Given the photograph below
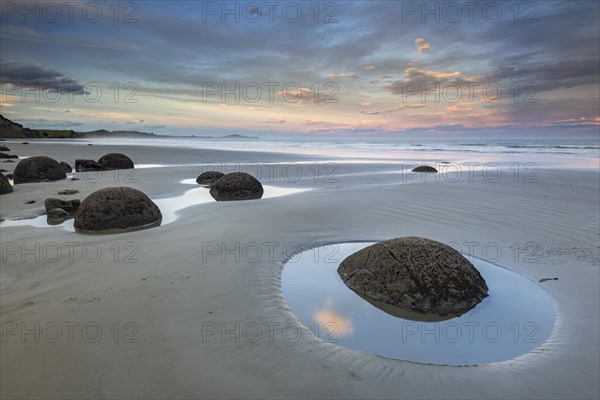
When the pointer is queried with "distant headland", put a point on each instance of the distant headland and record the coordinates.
(10, 129)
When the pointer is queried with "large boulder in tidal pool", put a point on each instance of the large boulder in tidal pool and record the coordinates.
(5, 186)
(37, 169)
(116, 209)
(115, 161)
(236, 186)
(209, 177)
(416, 275)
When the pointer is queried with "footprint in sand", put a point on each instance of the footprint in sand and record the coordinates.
(351, 376)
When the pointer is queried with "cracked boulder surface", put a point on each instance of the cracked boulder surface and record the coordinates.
(116, 209)
(415, 274)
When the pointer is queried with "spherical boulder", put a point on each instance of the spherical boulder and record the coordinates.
(236, 186)
(38, 169)
(425, 168)
(66, 167)
(209, 177)
(415, 274)
(5, 186)
(115, 161)
(116, 209)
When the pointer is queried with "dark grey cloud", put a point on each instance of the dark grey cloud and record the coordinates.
(540, 77)
(549, 76)
(38, 77)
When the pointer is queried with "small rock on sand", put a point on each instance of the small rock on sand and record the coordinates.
(425, 168)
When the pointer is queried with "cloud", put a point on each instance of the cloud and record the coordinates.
(342, 76)
(300, 95)
(418, 80)
(549, 76)
(459, 108)
(577, 121)
(391, 110)
(414, 74)
(368, 67)
(37, 77)
(422, 47)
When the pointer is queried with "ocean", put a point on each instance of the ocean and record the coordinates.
(546, 153)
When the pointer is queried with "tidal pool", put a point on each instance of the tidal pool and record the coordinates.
(169, 206)
(517, 316)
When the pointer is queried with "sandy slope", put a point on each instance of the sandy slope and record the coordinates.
(177, 293)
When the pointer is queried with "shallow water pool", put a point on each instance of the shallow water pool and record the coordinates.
(169, 206)
(517, 316)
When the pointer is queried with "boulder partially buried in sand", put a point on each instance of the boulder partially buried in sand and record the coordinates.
(66, 167)
(57, 214)
(5, 186)
(425, 168)
(115, 161)
(415, 274)
(4, 155)
(116, 209)
(83, 165)
(209, 177)
(69, 206)
(58, 210)
(236, 186)
(37, 169)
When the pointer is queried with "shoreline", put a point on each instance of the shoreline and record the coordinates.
(461, 156)
(178, 289)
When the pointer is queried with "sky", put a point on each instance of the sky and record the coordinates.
(391, 69)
